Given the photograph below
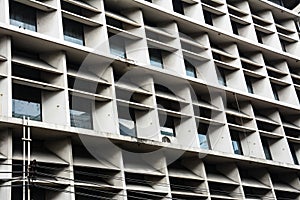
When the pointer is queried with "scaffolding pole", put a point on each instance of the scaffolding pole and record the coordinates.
(24, 159)
(26, 142)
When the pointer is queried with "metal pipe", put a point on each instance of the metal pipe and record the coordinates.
(28, 153)
(24, 159)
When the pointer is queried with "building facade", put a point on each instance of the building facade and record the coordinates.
(149, 99)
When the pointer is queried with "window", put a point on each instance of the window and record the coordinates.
(73, 31)
(266, 148)
(113, 22)
(26, 101)
(167, 127)
(260, 36)
(236, 143)
(293, 152)
(235, 27)
(22, 16)
(279, 2)
(81, 112)
(298, 95)
(275, 92)
(221, 76)
(283, 45)
(117, 45)
(297, 25)
(156, 57)
(190, 69)
(202, 135)
(178, 6)
(71, 8)
(208, 17)
(249, 84)
(127, 123)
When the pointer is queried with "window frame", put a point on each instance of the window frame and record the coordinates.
(275, 92)
(192, 72)
(169, 123)
(34, 100)
(157, 54)
(117, 45)
(266, 148)
(202, 133)
(236, 142)
(178, 6)
(249, 84)
(130, 118)
(84, 107)
(25, 13)
(221, 74)
(76, 37)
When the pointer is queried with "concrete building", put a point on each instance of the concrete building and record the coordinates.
(141, 99)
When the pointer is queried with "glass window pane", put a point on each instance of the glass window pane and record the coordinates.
(26, 102)
(293, 152)
(167, 131)
(266, 148)
(190, 69)
(73, 32)
(236, 143)
(249, 85)
(117, 46)
(275, 92)
(127, 127)
(221, 77)
(127, 124)
(167, 125)
(28, 109)
(81, 112)
(81, 119)
(22, 16)
(203, 141)
(156, 58)
(236, 147)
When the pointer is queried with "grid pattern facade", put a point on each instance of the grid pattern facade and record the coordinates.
(141, 99)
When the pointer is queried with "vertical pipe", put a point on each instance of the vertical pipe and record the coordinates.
(24, 159)
(28, 153)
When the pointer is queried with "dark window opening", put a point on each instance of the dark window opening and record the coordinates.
(113, 22)
(73, 31)
(25, 72)
(27, 102)
(221, 76)
(202, 135)
(275, 92)
(178, 6)
(167, 125)
(71, 8)
(236, 142)
(156, 57)
(283, 45)
(22, 16)
(235, 27)
(127, 121)
(294, 155)
(208, 17)
(249, 84)
(259, 36)
(81, 112)
(266, 148)
(190, 69)
(117, 45)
